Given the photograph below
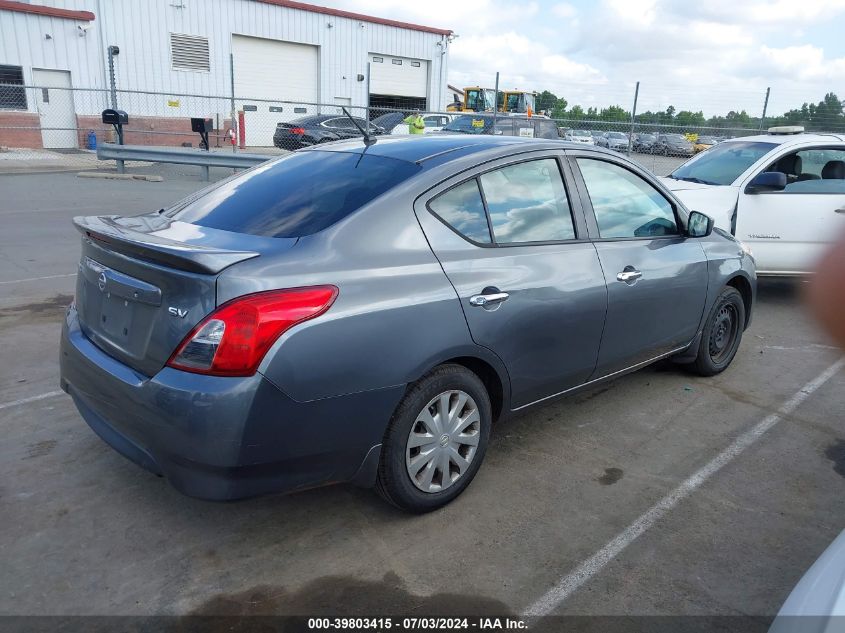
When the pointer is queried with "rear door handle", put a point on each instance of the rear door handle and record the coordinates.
(840, 210)
(488, 299)
(629, 275)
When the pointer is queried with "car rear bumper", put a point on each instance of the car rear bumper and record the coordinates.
(223, 438)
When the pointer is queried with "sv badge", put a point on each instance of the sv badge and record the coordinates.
(177, 312)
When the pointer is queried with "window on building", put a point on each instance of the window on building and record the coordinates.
(378, 60)
(189, 52)
(12, 97)
(397, 62)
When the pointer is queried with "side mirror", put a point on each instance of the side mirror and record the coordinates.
(699, 225)
(767, 181)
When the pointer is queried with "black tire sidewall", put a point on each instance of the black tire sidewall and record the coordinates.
(704, 363)
(394, 481)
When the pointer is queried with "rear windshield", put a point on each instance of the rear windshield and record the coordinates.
(297, 195)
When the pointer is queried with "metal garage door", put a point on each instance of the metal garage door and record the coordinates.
(398, 82)
(273, 71)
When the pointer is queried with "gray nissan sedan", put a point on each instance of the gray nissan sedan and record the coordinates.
(365, 312)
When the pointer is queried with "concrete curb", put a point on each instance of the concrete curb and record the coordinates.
(110, 176)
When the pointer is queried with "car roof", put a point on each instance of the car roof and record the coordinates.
(788, 139)
(423, 148)
(317, 118)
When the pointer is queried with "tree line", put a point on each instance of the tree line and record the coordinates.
(827, 115)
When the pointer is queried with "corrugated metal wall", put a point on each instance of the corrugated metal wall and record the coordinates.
(141, 29)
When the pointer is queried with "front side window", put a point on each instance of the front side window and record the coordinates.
(527, 203)
(462, 208)
(817, 170)
(625, 205)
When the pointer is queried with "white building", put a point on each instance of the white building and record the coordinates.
(282, 58)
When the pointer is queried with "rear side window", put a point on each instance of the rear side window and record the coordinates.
(462, 208)
(298, 195)
(626, 205)
(527, 203)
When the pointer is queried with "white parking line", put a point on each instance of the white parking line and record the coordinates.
(43, 396)
(20, 281)
(567, 585)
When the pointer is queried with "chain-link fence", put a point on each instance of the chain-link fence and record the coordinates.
(54, 126)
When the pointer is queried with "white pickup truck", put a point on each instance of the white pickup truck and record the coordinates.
(781, 193)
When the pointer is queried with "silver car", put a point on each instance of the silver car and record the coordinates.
(364, 312)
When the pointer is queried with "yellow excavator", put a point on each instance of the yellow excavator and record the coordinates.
(517, 101)
(478, 99)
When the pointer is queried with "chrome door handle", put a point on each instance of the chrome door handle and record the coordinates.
(629, 275)
(486, 300)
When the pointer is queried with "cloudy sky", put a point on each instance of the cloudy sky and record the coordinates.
(711, 55)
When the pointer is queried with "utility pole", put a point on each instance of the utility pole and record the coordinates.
(765, 106)
(495, 102)
(232, 86)
(113, 51)
(633, 116)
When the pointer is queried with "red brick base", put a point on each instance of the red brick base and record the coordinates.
(147, 131)
(140, 131)
(12, 137)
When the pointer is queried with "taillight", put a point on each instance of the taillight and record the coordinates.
(297, 130)
(233, 339)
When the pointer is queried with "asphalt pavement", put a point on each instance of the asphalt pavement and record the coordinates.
(658, 494)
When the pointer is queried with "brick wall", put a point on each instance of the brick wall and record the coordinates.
(140, 131)
(20, 138)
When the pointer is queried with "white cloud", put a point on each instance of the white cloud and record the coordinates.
(712, 55)
(564, 10)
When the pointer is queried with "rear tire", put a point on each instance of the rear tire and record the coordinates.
(436, 440)
(722, 334)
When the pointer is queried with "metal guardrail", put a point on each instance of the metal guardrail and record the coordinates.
(177, 155)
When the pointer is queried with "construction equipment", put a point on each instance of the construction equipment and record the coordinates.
(477, 99)
(517, 101)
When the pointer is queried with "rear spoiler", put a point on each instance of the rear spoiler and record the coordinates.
(135, 236)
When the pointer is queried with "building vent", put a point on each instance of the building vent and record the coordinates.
(189, 52)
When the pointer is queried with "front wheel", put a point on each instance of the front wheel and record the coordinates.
(436, 440)
(722, 333)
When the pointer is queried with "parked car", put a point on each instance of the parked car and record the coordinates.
(434, 122)
(644, 143)
(504, 125)
(579, 136)
(673, 145)
(614, 140)
(320, 128)
(702, 143)
(389, 121)
(782, 193)
(817, 603)
(364, 313)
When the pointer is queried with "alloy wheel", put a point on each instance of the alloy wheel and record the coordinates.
(443, 441)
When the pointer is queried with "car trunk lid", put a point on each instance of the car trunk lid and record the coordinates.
(144, 282)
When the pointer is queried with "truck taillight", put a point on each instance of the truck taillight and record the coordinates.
(232, 340)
